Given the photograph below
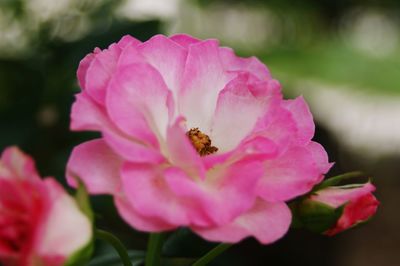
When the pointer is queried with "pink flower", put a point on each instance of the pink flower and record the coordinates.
(193, 135)
(360, 204)
(40, 224)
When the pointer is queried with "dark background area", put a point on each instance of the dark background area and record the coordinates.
(350, 47)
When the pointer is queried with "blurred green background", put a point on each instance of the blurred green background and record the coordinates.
(343, 56)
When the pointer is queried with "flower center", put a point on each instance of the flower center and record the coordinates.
(201, 142)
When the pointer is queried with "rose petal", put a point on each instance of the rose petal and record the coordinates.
(100, 71)
(168, 58)
(96, 165)
(16, 164)
(184, 40)
(303, 118)
(232, 62)
(225, 192)
(181, 151)
(147, 191)
(83, 67)
(204, 77)
(86, 114)
(131, 149)
(358, 210)
(137, 221)
(294, 173)
(139, 102)
(267, 222)
(337, 196)
(76, 228)
(128, 40)
(229, 127)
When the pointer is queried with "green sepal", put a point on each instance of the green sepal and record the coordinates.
(296, 221)
(83, 200)
(315, 216)
(335, 180)
(82, 256)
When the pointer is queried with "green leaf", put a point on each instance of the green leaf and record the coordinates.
(315, 216)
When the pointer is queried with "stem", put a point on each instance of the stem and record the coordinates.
(117, 244)
(154, 247)
(212, 254)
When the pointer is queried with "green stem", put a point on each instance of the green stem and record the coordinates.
(154, 247)
(212, 254)
(117, 244)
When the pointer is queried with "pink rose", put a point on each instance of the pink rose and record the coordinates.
(40, 224)
(193, 135)
(360, 204)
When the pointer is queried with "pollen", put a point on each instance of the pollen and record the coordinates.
(201, 142)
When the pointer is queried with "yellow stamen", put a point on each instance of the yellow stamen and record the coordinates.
(201, 142)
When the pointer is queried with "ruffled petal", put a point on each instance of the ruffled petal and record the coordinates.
(83, 67)
(167, 57)
(88, 115)
(337, 196)
(95, 70)
(16, 164)
(100, 71)
(184, 40)
(181, 152)
(294, 173)
(96, 165)
(303, 119)
(230, 126)
(233, 62)
(132, 149)
(76, 232)
(225, 192)
(139, 102)
(320, 157)
(277, 124)
(137, 221)
(267, 222)
(204, 77)
(258, 148)
(146, 190)
(128, 40)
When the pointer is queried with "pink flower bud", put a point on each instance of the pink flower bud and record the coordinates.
(360, 204)
(40, 224)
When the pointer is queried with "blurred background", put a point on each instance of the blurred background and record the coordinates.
(343, 56)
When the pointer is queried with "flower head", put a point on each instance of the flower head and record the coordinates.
(193, 135)
(359, 205)
(40, 224)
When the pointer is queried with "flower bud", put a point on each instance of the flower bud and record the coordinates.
(40, 224)
(334, 209)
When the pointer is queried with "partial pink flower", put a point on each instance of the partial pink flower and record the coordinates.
(360, 204)
(40, 224)
(193, 135)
